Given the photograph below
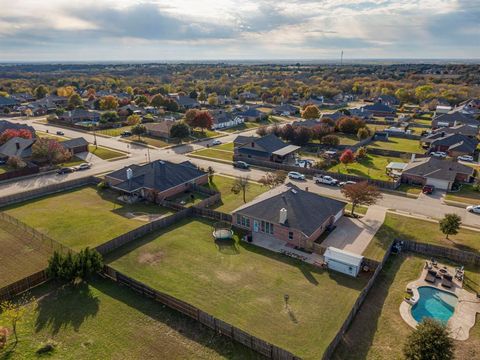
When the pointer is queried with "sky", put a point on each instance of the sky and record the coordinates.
(156, 30)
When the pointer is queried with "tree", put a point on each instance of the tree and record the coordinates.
(141, 100)
(109, 116)
(273, 179)
(302, 136)
(16, 162)
(50, 150)
(311, 112)
(288, 132)
(193, 95)
(157, 101)
(190, 116)
(327, 121)
(71, 267)
(133, 120)
(331, 140)
(180, 130)
(203, 120)
(139, 130)
(108, 103)
(423, 92)
(450, 224)
(429, 341)
(241, 184)
(363, 133)
(350, 125)
(212, 99)
(262, 131)
(210, 172)
(361, 152)
(40, 92)
(347, 157)
(66, 91)
(74, 101)
(202, 97)
(11, 133)
(14, 311)
(361, 193)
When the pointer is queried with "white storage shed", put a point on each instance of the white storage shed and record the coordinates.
(343, 261)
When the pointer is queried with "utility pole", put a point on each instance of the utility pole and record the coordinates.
(341, 58)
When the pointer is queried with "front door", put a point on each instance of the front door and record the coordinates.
(255, 225)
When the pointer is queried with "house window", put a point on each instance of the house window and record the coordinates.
(271, 229)
(262, 226)
(267, 228)
(290, 235)
(247, 222)
(238, 219)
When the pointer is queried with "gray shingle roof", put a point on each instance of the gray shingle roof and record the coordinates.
(436, 168)
(306, 211)
(22, 150)
(73, 143)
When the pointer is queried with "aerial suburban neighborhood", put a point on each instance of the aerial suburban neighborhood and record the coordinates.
(325, 207)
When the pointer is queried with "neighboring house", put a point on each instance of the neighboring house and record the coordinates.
(185, 102)
(131, 109)
(380, 109)
(224, 120)
(78, 115)
(453, 144)
(157, 180)
(454, 119)
(285, 110)
(75, 146)
(290, 215)
(314, 100)
(242, 140)
(439, 173)
(7, 125)
(23, 97)
(467, 130)
(469, 107)
(389, 100)
(224, 100)
(247, 95)
(267, 148)
(17, 146)
(8, 103)
(310, 123)
(442, 109)
(361, 113)
(251, 114)
(159, 129)
(337, 115)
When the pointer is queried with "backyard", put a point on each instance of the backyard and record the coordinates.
(399, 144)
(372, 166)
(244, 285)
(378, 331)
(21, 254)
(230, 201)
(81, 217)
(105, 321)
(406, 228)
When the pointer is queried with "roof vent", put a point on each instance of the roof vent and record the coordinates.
(129, 173)
(294, 191)
(283, 216)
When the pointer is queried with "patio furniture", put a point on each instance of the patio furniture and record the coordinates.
(428, 265)
(447, 281)
(431, 276)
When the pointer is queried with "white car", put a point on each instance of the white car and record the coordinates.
(439, 154)
(216, 142)
(466, 158)
(84, 166)
(296, 175)
(474, 209)
(348, 182)
(325, 179)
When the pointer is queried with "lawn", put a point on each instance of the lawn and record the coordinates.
(74, 161)
(379, 332)
(45, 135)
(114, 132)
(424, 121)
(409, 189)
(215, 154)
(399, 144)
(244, 285)
(185, 198)
(465, 195)
(230, 200)
(81, 217)
(4, 169)
(245, 126)
(105, 321)
(21, 254)
(104, 153)
(406, 228)
(372, 166)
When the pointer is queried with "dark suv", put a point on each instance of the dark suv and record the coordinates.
(428, 189)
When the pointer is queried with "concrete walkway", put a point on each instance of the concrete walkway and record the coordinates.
(354, 235)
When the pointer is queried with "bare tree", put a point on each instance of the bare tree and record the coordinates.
(273, 179)
(241, 184)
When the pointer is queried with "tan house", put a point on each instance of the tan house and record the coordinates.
(160, 129)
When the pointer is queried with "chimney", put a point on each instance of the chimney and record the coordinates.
(129, 174)
(283, 216)
(412, 158)
(17, 144)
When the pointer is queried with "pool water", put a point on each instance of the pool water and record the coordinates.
(434, 303)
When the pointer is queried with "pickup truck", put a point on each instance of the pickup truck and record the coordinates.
(325, 179)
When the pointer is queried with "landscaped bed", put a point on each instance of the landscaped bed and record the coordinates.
(105, 321)
(378, 331)
(406, 228)
(372, 166)
(81, 217)
(21, 255)
(399, 144)
(230, 201)
(244, 285)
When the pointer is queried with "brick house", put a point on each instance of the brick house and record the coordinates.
(290, 215)
(75, 146)
(266, 148)
(380, 109)
(454, 119)
(439, 173)
(157, 180)
(453, 144)
(160, 129)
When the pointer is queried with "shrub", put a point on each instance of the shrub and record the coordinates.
(331, 140)
(47, 347)
(102, 185)
(70, 267)
(16, 162)
(361, 152)
(363, 133)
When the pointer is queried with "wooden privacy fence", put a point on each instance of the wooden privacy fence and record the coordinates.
(22, 285)
(47, 190)
(393, 153)
(269, 350)
(212, 214)
(211, 200)
(463, 257)
(28, 170)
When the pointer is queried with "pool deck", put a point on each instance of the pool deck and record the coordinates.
(463, 318)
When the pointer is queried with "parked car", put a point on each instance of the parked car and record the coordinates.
(349, 182)
(65, 170)
(126, 134)
(84, 166)
(296, 175)
(439, 154)
(468, 158)
(216, 142)
(474, 209)
(304, 163)
(428, 189)
(325, 179)
(61, 133)
(241, 165)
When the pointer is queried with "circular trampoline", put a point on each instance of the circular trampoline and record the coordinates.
(222, 231)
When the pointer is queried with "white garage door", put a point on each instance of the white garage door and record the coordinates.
(439, 184)
(338, 216)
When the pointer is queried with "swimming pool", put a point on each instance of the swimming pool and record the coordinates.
(434, 303)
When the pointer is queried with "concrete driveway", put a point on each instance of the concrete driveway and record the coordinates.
(354, 235)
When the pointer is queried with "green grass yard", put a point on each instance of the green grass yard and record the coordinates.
(105, 153)
(372, 166)
(245, 126)
(230, 200)
(105, 321)
(244, 285)
(114, 132)
(465, 195)
(399, 144)
(4, 169)
(81, 217)
(215, 154)
(402, 227)
(378, 331)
